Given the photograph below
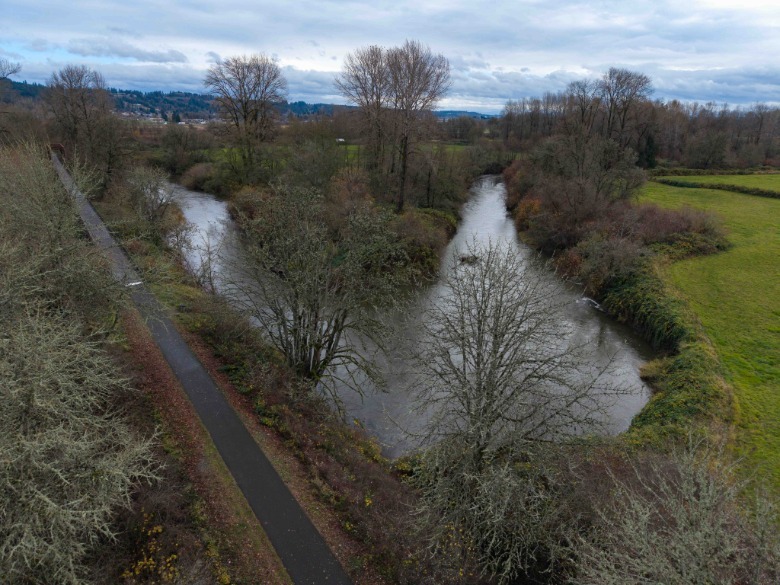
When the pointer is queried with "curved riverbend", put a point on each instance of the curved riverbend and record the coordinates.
(386, 415)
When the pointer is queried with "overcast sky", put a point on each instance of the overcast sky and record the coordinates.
(705, 50)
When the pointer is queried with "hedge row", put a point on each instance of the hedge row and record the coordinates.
(684, 172)
(720, 187)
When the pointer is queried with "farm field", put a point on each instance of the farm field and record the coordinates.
(768, 182)
(736, 295)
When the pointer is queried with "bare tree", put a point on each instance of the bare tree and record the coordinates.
(78, 98)
(394, 88)
(621, 91)
(246, 90)
(496, 379)
(151, 195)
(365, 82)
(584, 102)
(8, 68)
(312, 295)
(418, 80)
(81, 104)
(494, 364)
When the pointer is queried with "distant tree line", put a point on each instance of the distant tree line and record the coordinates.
(672, 133)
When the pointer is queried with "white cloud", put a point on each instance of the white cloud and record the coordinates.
(498, 50)
(107, 47)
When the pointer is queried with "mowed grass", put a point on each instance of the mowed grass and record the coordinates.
(736, 295)
(769, 182)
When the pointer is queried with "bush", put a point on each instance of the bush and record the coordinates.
(198, 177)
(423, 234)
(641, 299)
(679, 520)
(721, 187)
(602, 260)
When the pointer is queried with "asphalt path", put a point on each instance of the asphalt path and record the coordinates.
(302, 550)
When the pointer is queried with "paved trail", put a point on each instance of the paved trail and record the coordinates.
(305, 556)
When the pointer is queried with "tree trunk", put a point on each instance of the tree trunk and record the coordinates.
(402, 181)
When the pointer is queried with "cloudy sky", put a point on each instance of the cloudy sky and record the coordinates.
(705, 50)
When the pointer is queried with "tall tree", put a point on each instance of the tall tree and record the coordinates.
(81, 105)
(8, 68)
(394, 88)
(621, 90)
(497, 378)
(246, 89)
(313, 295)
(78, 98)
(418, 80)
(365, 82)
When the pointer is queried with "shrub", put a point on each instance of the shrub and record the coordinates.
(604, 259)
(678, 520)
(199, 176)
(70, 460)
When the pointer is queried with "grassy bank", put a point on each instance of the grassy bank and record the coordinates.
(736, 297)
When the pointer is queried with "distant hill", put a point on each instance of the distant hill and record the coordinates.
(27, 90)
(198, 105)
(450, 114)
(158, 103)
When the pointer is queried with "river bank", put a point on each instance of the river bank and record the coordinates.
(387, 415)
(619, 249)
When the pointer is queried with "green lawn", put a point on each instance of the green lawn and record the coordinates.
(736, 294)
(760, 181)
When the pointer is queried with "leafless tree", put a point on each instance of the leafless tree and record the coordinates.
(78, 98)
(81, 104)
(314, 296)
(394, 88)
(621, 91)
(494, 363)
(151, 195)
(8, 68)
(418, 80)
(496, 379)
(584, 101)
(365, 82)
(246, 89)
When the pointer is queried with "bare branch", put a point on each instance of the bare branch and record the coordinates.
(8, 68)
(246, 89)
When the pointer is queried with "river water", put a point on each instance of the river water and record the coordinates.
(387, 415)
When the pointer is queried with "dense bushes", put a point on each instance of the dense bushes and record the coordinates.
(678, 520)
(71, 457)
(589, 223)
(610, 245)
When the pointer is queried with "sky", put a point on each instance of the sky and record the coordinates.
(724, 51)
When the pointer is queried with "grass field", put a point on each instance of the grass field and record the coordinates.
(760, 181)
(736, 295)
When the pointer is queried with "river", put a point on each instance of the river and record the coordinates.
(387, 415)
